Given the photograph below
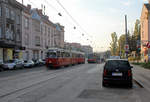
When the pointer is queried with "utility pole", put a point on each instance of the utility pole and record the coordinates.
(126, 33)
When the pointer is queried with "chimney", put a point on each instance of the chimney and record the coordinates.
(29, 6)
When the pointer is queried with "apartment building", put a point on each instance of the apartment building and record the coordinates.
(145, 31)
(10, 29)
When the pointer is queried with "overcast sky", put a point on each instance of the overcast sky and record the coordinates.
(98, 18)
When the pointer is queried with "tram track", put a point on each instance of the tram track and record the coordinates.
(46, 78)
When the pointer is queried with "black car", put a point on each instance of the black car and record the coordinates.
(117, 71)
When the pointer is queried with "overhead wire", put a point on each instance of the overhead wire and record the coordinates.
(74, 27)
(60, 14)
(72, 17)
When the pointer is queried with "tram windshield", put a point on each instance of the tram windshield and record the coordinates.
(51, 55)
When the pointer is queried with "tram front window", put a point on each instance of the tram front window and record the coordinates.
(51, 55)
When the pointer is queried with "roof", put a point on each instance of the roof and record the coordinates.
(147, 6)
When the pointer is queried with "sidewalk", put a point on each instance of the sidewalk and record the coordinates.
(142, 75)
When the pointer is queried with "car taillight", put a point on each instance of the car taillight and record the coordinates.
(129, 73)
(105, 72)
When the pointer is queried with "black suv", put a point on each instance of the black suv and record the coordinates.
(117, 72)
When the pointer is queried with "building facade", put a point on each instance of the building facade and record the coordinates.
(145, 32)
(10, 29)
(87, 49)
(26, 33)
(39, 33)
(59, 36)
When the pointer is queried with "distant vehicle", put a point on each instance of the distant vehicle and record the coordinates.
(92, 58)
(114, 57)
(117, 71)
(44, 61)
(39, 62)
(36, 62)
(13, 64)
(1, 64)
(28, 63)
(57, 57)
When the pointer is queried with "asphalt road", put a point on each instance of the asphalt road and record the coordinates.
(80, 83)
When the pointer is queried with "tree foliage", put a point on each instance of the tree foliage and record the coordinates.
(137, 30)
(114, 44)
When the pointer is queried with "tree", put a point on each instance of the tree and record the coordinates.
(114, 44)
(121, 43)
(137, 29)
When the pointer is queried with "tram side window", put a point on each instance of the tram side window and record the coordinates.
(58, 54)
(63, 54)
(51, 55)
(67, 55)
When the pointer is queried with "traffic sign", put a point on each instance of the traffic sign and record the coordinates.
(148, 45)
(126, 47)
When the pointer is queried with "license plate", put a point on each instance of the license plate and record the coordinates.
(116, 74)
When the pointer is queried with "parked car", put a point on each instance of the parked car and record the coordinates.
(36, 62)
(28, 63)
(19, 63)
(1, 64)
(41, 62)
(44, 61)
(13, 64)
(117, 71)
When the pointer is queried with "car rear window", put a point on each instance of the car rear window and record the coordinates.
(117, 64)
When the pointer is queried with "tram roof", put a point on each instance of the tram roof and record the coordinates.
(65, 50)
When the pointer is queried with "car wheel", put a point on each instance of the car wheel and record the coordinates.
(104, 84)
(130, 85)
(1, 69)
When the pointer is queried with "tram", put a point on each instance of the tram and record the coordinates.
(57, 57)
(92, 58)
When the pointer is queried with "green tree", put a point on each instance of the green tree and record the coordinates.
(121, 44)
(114, 44)
(137, 29)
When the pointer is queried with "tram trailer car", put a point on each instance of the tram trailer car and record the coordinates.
(59, 57)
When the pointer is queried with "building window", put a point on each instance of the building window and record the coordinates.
(142, 34)
(18, 35)
(41, 28)
(7, 13)
(12, 15)
(9, 31)
(0, 32)
(26, 39)
(0, 11)
(37, 41)
(45, 30)
(18, 19)
(26, 23)
(37, 26)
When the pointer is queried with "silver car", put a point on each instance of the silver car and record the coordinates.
(13, 64)
(28, 63)
(10, 64)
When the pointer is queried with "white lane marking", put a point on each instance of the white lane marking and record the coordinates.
(93, 70)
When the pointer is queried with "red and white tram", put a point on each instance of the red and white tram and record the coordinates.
(57, 57)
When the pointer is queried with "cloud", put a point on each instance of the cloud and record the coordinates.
(127, 3)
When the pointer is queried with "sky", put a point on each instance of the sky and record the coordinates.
(96, 19)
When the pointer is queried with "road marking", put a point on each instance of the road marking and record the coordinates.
(47, 77)
(138, 83)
